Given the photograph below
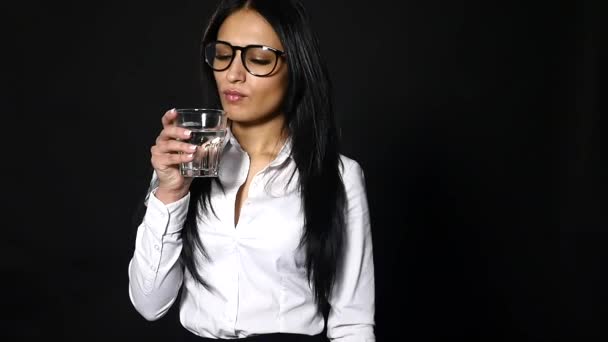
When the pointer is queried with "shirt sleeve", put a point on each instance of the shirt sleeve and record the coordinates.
(351, 315)
(155, 273)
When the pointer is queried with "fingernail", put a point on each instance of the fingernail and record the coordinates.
(172, 110)
(189, 155)
(187, 133)
(193, 147)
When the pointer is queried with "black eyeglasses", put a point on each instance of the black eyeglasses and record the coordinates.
(259, 60)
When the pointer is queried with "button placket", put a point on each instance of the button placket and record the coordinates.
(232, 305)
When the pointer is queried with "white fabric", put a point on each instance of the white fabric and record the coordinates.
(257, 271)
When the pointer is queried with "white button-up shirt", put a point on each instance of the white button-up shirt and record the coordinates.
(256, 268)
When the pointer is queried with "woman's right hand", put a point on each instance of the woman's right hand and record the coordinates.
(166, 158)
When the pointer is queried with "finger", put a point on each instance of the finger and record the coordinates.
(174, 146)
(169, 117)
(161, 160)
(174, 159)
(173, 132)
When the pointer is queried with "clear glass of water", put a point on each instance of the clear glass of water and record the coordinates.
(208, 128)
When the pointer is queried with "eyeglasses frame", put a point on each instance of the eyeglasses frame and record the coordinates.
(243, 50)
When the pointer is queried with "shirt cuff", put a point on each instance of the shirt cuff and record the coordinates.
(165, 219)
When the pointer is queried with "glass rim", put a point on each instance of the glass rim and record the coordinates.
(200, 110)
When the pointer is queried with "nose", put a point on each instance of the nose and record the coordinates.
(236, 72)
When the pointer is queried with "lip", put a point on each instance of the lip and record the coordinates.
(233, 95)
(234, 92)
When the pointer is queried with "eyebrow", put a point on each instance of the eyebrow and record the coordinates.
(279, 47)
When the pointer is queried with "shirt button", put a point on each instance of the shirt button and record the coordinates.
(152, 268)
(157, 247)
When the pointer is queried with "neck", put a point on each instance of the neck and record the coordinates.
(262, 138)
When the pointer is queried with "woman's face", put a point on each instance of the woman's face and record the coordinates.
(247, 98)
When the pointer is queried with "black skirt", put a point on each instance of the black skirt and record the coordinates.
(276, 337)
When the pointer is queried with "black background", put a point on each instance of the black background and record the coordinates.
(477, 124)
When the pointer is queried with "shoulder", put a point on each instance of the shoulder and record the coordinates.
(348, 164)
(355, 187)
(351, 171)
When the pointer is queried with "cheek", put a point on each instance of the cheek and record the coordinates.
(218, 79)
(271, 92)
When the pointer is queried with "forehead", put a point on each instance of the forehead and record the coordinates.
(246, 27)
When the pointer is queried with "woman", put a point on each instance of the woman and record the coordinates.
(278, 247)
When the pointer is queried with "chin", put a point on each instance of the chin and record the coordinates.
(238, 116)
(248, 118)
(235, 114)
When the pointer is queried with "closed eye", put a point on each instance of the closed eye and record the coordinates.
(259, 61)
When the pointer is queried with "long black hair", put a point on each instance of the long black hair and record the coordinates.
(309, 117)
